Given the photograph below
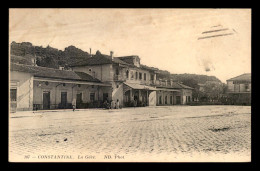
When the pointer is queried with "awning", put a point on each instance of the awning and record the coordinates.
(165, 89)
(139, 86)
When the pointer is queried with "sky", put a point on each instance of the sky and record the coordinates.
(169, 39)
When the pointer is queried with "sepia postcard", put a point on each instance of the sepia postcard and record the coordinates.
(129, 85)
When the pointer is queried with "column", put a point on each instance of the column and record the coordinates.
(139, 94)
(154, 77)
(147, 98)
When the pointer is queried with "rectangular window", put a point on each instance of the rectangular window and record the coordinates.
(165, 99)
(247, 87)
(92, 96)
(127, 74)
(144, 76)
(140, 75)
(151, 76)
(132, 75)
(13, 95)
(79, 98)
(117, 71)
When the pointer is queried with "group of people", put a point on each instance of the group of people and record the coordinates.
(107, 105)
(112, 104)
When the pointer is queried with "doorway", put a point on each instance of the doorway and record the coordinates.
(63, 100)
(105, 97)
(136, 96)
(79, 100)
(178, 99)
(46, 100)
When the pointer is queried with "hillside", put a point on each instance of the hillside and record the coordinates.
(49, 56)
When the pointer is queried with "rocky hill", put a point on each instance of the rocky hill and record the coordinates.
(49, 56)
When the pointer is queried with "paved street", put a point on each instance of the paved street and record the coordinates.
(169, 133)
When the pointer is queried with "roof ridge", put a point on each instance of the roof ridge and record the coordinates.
(239, 76)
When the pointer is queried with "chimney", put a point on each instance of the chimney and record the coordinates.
(34, 60)
(111, 54)
(171, 82)
(90, 52)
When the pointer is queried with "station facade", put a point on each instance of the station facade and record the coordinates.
(91, 82)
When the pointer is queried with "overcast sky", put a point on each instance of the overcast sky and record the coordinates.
(164, 38)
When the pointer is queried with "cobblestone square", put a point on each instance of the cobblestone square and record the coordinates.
(147, 134)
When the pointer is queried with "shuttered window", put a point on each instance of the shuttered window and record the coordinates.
(13, 95)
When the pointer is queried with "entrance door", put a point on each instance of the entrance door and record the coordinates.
(127, 96)
(63, 100)
(136, 96)
(178, 99)
(105, 97)
(79, 100)
(46, 100)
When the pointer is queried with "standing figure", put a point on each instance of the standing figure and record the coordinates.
(117, 104)
(74, 104)
(112, 105)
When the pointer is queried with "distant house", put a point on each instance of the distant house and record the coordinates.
(239, 89)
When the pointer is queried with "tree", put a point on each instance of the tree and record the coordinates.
(213, 90)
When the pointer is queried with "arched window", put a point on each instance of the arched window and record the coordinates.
(127, 74)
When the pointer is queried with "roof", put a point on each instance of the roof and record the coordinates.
(165, 89)
(119, 61)
(99, 59)
(148, 68)
(53, 73)
(139, 86)
(184, 86)
(127, 59)
(176, 85)
(94, 60)
(243, 77)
